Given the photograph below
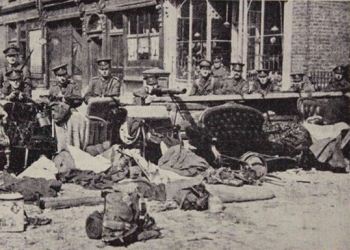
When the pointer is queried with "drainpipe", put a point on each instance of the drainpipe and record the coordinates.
(190, 42)
(245, 37)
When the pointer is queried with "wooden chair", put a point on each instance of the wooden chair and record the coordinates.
(331, 109)
(102, 120)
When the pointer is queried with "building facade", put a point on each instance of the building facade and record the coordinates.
(287, 36)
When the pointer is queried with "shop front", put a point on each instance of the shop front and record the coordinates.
(234, 30)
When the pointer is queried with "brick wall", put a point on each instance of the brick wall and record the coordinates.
(320, 34)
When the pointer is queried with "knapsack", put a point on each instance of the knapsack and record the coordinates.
(121, 216)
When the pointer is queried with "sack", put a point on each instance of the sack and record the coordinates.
(64, 161)
(193, 198)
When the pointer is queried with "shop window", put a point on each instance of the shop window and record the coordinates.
(224, 16)
(265, 35)
(191, 42)
(143, 35)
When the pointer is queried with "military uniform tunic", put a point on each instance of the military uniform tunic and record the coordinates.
(103, 87)
(202, 86)
(71, 89)
(257, 87)
(335, 85)
(232, 86)
(220, 72)
(7, 90)
(25, 74)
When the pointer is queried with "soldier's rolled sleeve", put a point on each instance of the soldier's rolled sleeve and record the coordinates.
(193, 89)
(89, 93)
(117, 87)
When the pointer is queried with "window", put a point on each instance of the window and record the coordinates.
(36, 58)
(143, 35)
(224, 16)
(116, 21)
(265, 35)
(191, 41)
(12, 33)
(94, 24)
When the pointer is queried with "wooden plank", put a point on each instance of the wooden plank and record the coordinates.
(270, 96)
(60, 203)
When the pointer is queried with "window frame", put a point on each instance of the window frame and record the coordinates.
(148, 12)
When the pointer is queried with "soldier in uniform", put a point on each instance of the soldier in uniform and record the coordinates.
(262, 84)
(300, 83)
(105, 84)
(13, 88)
(11, 54)
(234, 84)
(338, 81)
(205, 84)
(218, 69)
(142, 96)
(65, 86)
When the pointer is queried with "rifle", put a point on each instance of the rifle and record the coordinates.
(167, 91)
(26, 60)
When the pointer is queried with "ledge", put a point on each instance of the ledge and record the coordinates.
(270, 96)
(17, 7)
(131, 78)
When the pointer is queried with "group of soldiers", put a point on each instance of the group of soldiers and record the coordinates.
(100, 86)
(215, 79)
(16, 84)
(15, 79)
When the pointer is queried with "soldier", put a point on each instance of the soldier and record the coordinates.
(65, 87)
(13, 88)
(205, 84)
(338, 81)
(299, 83)
(234, 84)
(142, 96)
(11, 54)
(105, 84)
(262, 84)
(218, 69)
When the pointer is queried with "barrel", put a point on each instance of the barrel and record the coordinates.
(11, 212)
